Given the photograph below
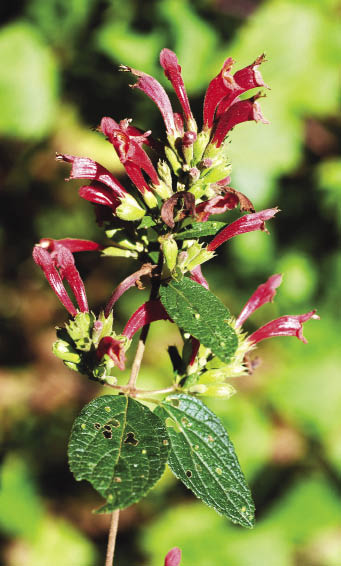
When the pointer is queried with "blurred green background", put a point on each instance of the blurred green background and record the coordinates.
(58, 77)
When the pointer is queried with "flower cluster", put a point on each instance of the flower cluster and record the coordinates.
(176, 184)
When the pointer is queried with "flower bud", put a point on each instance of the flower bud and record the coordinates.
(111, 251)
(173, 160)
(221, 390)
(129, 209)
(170, 251)
(199, 146)
(65, 352)
(164, 173)
(187, 146)
(150, 199)
(216, 173)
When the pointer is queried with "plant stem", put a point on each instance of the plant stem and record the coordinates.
(143, 392)
(109, 561)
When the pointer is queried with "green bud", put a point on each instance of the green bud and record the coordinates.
(216, 173)
(111, 251)
(164, 173)
(129, 245)
(170, 250)
(199, 146)
(163, 190)
(198, 190)
(150, 199)
(112, 232)
(65, 352)
(212, 151)
(73, 366)
(129, 209)
(199, 259)
(173, 160)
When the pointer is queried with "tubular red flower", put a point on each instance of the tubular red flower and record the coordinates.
(114, 349)
(85, 168)
(129, 150)
(97, 194)
(152, 88)
(172, 70)
(247, 223)
(242, 111)
(126, 284)
(220, 203)
(145, 314)
(225, 88)
(263, 294)
(72, 244)
(42, 258)
(173, 557)
(62, 258)
(283, 326)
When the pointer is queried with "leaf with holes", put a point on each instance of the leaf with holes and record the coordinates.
(197, 311)
(120, 447)
(200, 229)
(202, 456)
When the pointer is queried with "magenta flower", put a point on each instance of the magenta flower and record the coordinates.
(150, 311)
(173, 557)
(290, 325)
(152, 88)
(172, 70)
(58, 264)
(263, 294)
(114, 349)
(225, 88)
(241, 111)
(247, 223)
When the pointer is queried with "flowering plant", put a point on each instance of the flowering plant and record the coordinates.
(163, 222)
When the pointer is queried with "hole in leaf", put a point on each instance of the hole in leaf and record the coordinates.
(130, 439)
(107, 434)
(97, 426)
(107, 427)
(189, 473)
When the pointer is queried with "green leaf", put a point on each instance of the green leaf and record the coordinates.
(200, 229)
(197, 311)
(202, 456)
(120, 447)
(146, 222)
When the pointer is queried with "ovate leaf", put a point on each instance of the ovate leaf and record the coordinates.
(197, 311)
(200, 229)
(202, 456)
(120, 447)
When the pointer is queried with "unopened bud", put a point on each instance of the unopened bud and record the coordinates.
(164, 173)
(111, 251)
(170, 251)
(173, 160)
(216, 173)
(65, 352)
(150, 199)
(199, 146)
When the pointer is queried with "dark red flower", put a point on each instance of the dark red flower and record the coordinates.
(247, 223)
(223, 202)
(126, 284)
(145, 314)
(225, 88)
(172, 69)
(114, 349)
(263, 294)
(290, 325)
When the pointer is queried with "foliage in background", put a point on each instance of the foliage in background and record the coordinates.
(56, 83)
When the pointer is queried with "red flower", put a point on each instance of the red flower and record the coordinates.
(241, 111)
(126, 284)
(220, 203)
(247, 223)
(172, 69)
(145, 314)
(290, 325)
(225, 88)
(263, 294)
(50, 255)
(114, 349)
(152, 88)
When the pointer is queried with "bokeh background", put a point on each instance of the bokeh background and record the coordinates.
(58, 77)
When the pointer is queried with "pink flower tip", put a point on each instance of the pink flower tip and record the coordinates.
(173, 557)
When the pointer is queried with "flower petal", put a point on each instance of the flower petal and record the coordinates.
(128, 282)
(42, 258)
(85, 168)
(283, 326)
(114, 349)
(242, 111)
(197, 276)
(173, 557)
(63, 258)
(152, 88)
(145, 314)
(220, 203)
(247, 223)
(98, 194)
(172, 70)
(263, 294)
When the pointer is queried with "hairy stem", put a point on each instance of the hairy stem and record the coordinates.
(109, 561)
(143, 392)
